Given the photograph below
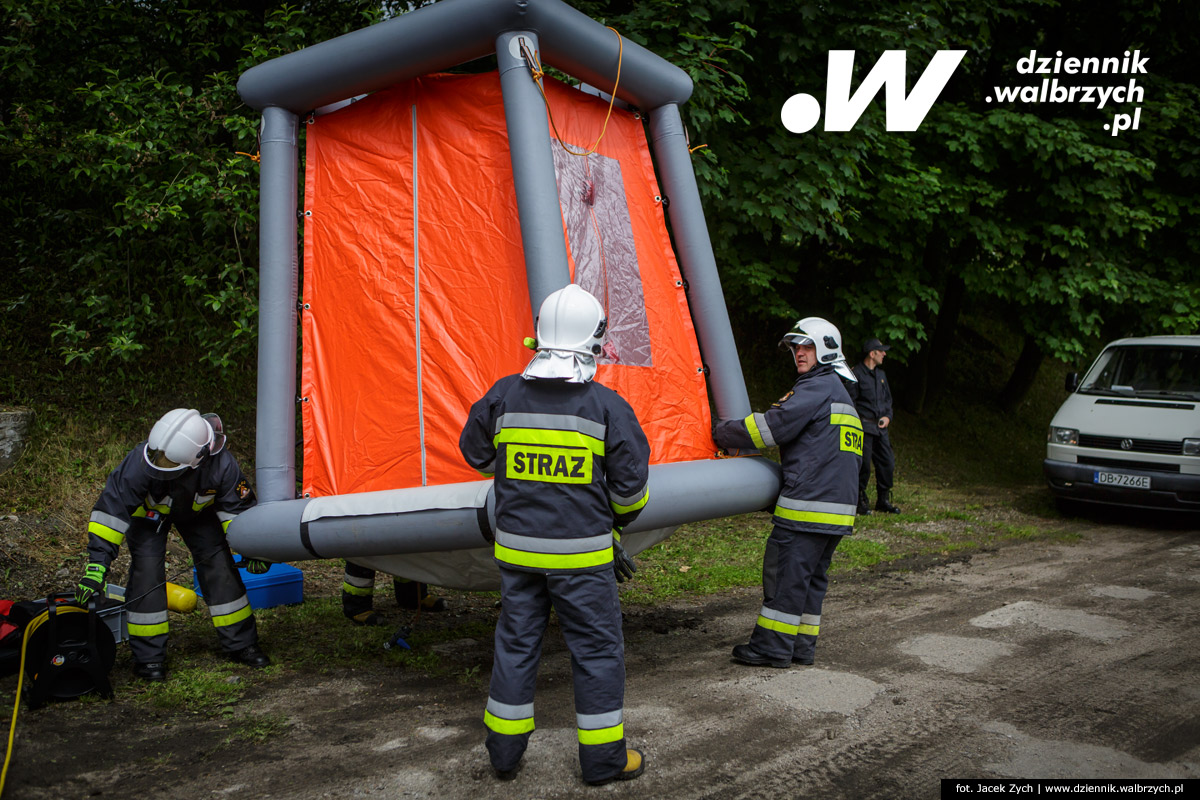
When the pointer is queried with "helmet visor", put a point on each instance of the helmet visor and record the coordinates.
(218, 433)
(158, 459)
(798, 340)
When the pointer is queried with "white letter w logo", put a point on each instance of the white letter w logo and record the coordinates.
(801, 112)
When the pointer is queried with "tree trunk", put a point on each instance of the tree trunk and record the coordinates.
(929, 368)
(1022, 375)
(942, 342)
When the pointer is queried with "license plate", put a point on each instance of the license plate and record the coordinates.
(1120, 479)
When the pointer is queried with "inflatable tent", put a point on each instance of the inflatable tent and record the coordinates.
(439, 211)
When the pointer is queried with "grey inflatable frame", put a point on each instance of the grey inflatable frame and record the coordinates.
(433, 519)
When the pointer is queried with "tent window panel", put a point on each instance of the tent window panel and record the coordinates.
(595, 210)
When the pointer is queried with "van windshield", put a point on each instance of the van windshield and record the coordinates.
(1145, 371)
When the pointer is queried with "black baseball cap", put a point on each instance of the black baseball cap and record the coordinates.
(875, 344)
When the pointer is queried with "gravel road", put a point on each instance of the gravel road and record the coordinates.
(1033, 660)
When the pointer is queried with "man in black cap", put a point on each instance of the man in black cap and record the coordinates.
(873, 399)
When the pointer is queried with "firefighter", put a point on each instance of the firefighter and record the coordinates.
(820, 439)
(571, 464)
(181, 475)
(358, 595)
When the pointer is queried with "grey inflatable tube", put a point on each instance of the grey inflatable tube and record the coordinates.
(452, 32)
(459, 516)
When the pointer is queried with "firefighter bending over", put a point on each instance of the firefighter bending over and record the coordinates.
(182, 475)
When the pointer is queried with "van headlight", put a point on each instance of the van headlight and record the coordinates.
(1191, 447)
(1063, 436)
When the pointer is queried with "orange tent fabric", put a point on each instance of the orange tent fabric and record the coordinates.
(415, 297)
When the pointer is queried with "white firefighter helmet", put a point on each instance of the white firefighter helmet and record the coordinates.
(571, 320)
(823, 335)
(179, 440)
(570, 331)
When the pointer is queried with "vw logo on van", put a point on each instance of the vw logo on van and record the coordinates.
(1127, 444)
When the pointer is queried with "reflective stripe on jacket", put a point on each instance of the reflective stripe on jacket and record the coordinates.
(819, 435)
(570, 463)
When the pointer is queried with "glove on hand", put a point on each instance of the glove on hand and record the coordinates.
(92, 583)
(623, 565)
(257, 566)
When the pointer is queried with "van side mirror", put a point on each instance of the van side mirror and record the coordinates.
(1072, 381)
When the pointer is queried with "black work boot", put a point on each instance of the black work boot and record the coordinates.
(745, 654)
(884, 504)
(864, 505)
(251, 656)
(150, 671)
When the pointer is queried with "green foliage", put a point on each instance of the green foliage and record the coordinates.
(131, 192)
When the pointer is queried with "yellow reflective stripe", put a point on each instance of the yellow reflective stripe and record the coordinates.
(845, 419)
(106, 533)
(199, 506)
(512, 727)
(523, 558)
(361, 591)
(225, 525)
(146, 507)
(548, 437)
(776, 625)
(620, 509)
(602, 735)
(231, 619)
(147, 630)
(811, 630)
(486, 474)
(752, 429)
(846, 520)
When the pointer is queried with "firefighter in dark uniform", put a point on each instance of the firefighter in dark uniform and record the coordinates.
(571, 464)
(358, 595)
(820, 442)
(181, 475)
(873, 398)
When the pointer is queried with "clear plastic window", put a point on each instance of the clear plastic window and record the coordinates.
(596, 213)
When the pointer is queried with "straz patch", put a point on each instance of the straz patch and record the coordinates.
(243, 489)
(525, 462)
(851, 439)
(782, 400)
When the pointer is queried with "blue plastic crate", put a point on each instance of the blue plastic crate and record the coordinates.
(281, 585)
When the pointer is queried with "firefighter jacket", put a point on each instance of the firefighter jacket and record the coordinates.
(570, 463)
(820, 445)
(137, 491)
(872, 397)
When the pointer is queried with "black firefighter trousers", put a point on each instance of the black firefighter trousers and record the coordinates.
(589, 612)
(224, 592)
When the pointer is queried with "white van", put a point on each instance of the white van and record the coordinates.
(1129, 434)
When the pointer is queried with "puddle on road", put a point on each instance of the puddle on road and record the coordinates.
(813, 690)
(1027, 612)
(955, 653)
